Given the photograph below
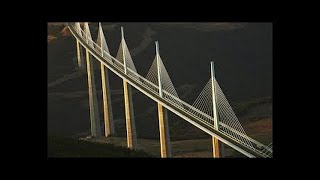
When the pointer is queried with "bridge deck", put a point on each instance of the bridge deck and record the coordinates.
(112, 64)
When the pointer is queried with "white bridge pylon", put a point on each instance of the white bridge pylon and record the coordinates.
(210, 112)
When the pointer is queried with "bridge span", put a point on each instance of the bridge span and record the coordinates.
(210, 112)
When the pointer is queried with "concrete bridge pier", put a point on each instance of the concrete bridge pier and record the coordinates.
(216, 150)
(165, 144)
(93, 102)
(106, 93)
(130, 122)
(107, 108)
(128, 103)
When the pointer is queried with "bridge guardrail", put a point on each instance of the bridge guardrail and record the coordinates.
(182, 105)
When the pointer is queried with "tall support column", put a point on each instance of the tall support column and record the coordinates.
(127, 92)
(130, 122)
(165, 145)
(79, 55)
(215, 144)
(93, 102)
(107, 108)
(215, 141)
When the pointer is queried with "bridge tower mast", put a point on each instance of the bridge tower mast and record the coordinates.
(130, 122)
(93, 102)
(79, 47)
(215, 141)
(107, 108)
(165, 144)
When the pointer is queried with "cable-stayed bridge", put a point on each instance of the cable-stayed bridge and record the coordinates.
(210, 112)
